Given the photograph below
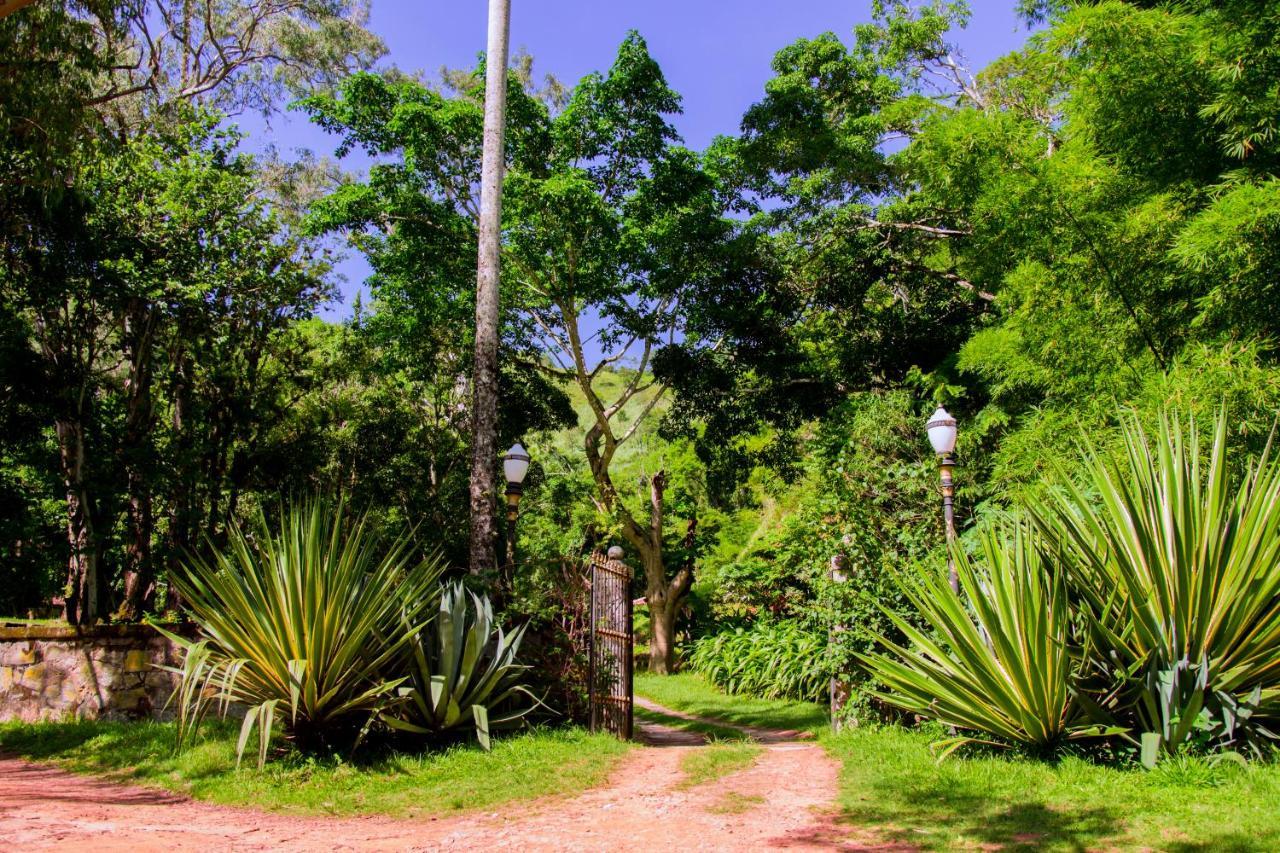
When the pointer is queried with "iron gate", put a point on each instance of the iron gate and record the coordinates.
(610, 684)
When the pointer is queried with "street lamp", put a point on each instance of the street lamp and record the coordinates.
(515, 465)
(942, 435)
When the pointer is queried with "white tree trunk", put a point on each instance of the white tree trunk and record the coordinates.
(484, 414)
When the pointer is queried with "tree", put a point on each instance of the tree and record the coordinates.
(90, 79)
(609, 228)
(484, 369)
(851, 290)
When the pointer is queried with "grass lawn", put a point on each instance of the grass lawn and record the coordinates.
(692, 694)
(712, 731)
(521, 767)
(891, 783)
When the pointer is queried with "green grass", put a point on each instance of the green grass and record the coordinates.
(711, 730)
(520, 767)
(23, 620)
(734, 803)
(716, 761)
(891, 785)
(692, 694)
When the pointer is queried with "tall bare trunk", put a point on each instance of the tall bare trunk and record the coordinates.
(484, 413)
(181, 500)
(139, 576)
(80, 605)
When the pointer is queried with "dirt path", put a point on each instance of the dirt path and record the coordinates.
(786, 799)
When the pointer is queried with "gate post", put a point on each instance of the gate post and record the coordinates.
(839, 688)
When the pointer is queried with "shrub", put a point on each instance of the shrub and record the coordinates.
(1174, 560)
(460, 669)
(1146, 597)
(773, 660)
(1001, 665)
(305, 616)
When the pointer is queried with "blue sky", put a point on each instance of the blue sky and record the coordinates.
(716, 53)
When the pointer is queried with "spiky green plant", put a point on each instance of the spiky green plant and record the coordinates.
(1174, 559)
(460, 669)
(998, 658)
(301, 617)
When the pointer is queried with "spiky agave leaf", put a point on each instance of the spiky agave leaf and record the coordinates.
(305, 615)
(1174, 559)
(461, 669)
(997, 659)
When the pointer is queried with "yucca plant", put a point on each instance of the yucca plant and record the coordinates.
(304, 618)
(998, 657)
(1175, 563)
(460, 670)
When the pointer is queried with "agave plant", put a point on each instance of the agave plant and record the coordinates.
(302, 618)
(460, 670)
(1002, 664)
(1175, 563)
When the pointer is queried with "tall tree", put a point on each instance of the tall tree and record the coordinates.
(610, 227)
(88, 77)
(484, 369)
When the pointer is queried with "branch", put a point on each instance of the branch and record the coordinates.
(872, 223)
(648, 407)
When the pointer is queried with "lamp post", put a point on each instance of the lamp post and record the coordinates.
(515, 465)
(941, 429)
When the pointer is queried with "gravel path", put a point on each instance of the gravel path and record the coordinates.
(786, 799)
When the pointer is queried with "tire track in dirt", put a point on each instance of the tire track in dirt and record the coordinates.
(786, 799)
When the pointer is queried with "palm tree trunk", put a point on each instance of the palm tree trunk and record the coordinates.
(484, 414)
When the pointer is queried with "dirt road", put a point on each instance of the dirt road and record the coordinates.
(785, 799)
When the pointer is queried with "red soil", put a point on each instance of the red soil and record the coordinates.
(786, 799)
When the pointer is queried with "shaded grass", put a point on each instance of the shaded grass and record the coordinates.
(692, 694)
(520, 767)
(712, 731)
(890, 783)
(716, 761)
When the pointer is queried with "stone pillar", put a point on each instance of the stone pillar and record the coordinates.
(839, 688)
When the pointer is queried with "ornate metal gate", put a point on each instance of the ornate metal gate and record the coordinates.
(610, 687)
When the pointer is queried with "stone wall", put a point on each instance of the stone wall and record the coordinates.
(108, 672)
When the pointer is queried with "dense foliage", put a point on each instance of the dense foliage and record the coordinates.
(302, 620)
(773, 660)
(720, 360)
(1147, 606)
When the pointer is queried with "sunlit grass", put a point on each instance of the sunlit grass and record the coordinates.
(692, 694)
(719, 759)
(520, 767)
(891, 784)
(711, 730)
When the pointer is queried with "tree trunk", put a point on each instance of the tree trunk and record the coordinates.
(181, 500)
(665, 596)
(484, 413)
(663, 609)
(139, 576)
(80, 603)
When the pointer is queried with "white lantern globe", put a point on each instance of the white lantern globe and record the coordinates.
(515, 464)
(942, 432)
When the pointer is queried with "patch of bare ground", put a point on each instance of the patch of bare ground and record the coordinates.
(786, 799)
